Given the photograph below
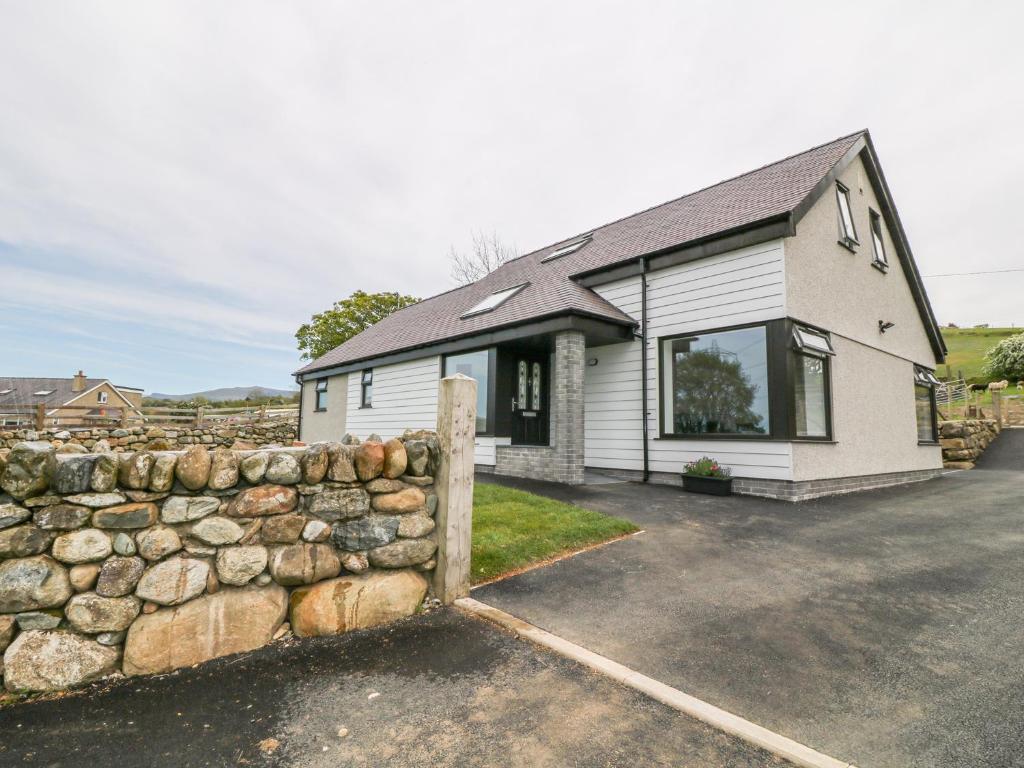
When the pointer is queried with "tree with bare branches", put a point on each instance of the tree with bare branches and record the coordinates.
(488, 253)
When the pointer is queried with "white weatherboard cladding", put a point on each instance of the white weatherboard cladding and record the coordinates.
(404, 397)
(743, 286)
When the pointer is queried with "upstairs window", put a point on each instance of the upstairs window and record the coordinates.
(366, 384)
(101, 397)
(494, 301)
(881, 260)
(847, 232)
(321, 394)
(568, 248)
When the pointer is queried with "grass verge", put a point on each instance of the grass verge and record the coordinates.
(513, 529)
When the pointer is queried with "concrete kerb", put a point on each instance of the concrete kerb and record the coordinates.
(796, 753)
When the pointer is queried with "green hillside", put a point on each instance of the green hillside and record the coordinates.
(967, 348)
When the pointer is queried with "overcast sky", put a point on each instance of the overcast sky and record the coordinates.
(183, 184)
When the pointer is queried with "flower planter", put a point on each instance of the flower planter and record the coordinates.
(715, 486)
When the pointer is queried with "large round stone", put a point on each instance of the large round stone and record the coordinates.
(193, 468)
(264, 500)
(182, 509)
(72, 473)
(223, 470)
(52, 661)
(418, 455)
(240, 565)
(402, 553)
(104, 473)
(340, 504)
(395, 458)
(119, 575)
(12, 514)
(92, 613)
(135, 515)
(303, 564)
(341, 463)
(217, 531)
(33, 583)
(24, 541)
(84, 546)
(254, 466)
(355, 602)
(162, 477)
(62, 517)
(369, 460)
(283, 529)
(314, 463)
(408, 500)
(283, 469)
(30, 467)
(173, 581)
(157, 542)
(230, 621)
(83, 576)
(415, 526)
(365, 532)
(134, 470)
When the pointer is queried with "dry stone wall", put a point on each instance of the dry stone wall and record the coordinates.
(95, 440)
(145, 561)
(964, 441)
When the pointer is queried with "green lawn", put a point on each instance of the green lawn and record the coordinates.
(512, 529)
(967, 348)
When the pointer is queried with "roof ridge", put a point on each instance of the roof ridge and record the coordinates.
(593, 230)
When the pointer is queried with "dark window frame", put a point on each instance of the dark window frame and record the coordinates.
(797, 350)
(492, 376)
(318, 392)
(846, 239)
(366, 388)
(877, 242)
(925, 379)
(781, 384)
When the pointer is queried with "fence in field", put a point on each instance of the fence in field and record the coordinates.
(40, 416)
(950, 392)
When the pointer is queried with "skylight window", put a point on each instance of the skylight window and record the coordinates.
(6, 391)
(44, 392)
(568, 248)
(495, 300)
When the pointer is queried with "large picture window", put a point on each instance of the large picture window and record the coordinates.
(476, 365)
(716, 383)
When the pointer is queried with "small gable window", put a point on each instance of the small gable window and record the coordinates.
(847, 232)
(881, 260)
(494, 301)
(568, 248)
(321, 394)
(366, 395)
(101, 397)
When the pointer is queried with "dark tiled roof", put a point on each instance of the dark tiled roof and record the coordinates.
(770, 191)
(23, 389)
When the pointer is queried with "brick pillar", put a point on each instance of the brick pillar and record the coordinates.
(567, 405)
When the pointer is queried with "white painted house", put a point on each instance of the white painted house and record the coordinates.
(775, 321)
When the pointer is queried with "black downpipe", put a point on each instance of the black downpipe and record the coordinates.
(643, 361)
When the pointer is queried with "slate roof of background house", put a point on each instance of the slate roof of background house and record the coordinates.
(24, 387)
(744, 200)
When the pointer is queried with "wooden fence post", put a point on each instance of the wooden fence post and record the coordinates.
(997, 407)
(199, 415)
(40, 416)
(453, 481)
(263, 412)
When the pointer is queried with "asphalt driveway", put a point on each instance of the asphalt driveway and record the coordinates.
(441, 689)
(883, 628)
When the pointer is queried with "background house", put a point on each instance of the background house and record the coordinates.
(775, 321)
(91, 398)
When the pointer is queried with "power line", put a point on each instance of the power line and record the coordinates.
(987, 272)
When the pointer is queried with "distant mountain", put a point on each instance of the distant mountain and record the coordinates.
(227, 393)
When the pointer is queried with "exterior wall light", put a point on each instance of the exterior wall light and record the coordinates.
(884, 326)
(592, 362)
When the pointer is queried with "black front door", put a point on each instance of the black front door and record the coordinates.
(529, 400)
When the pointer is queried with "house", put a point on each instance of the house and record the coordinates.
(775, 321)
(65, 402)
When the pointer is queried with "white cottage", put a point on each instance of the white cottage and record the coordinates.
(775, 321)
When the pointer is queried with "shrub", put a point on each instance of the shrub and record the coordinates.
(706, 467)
(1006, 359)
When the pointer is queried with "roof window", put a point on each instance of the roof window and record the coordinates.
(494, 301)
(568, 248)
(6, 391)
(44, 392)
